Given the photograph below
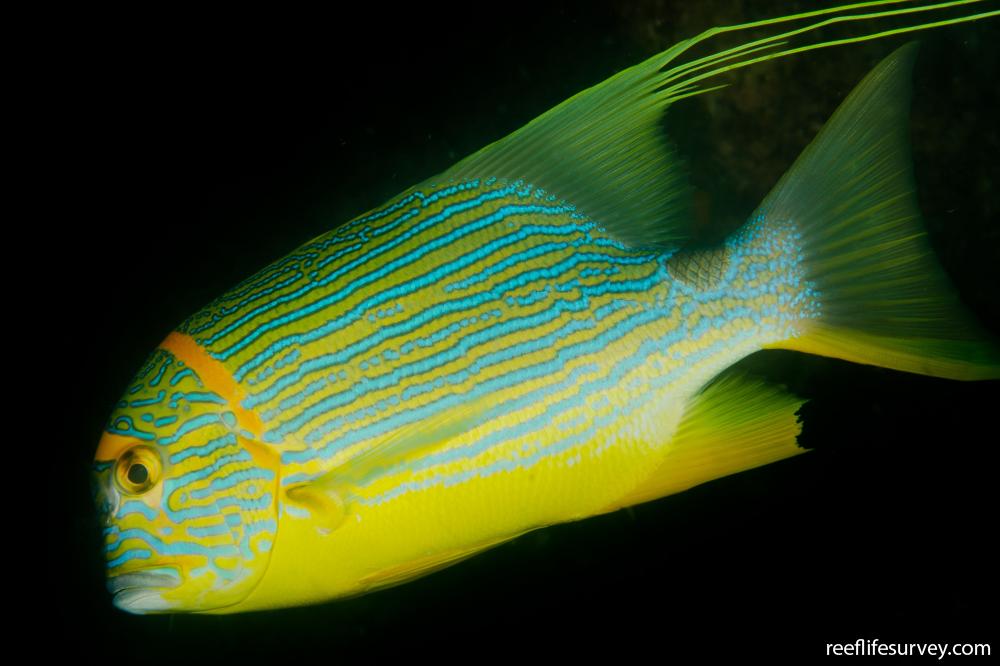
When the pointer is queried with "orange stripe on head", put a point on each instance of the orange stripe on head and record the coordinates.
(112, 445)
(214, 376)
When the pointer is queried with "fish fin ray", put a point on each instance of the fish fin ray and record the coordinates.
(424, 566)
(605, 149)
(883, 298)
(334, 488)
(734, 424)
(415, 437)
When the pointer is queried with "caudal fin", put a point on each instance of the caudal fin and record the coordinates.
(883, 298)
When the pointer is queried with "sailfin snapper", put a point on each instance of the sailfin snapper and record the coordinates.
(524, 340)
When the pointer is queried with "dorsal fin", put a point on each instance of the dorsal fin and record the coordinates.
(604, 150)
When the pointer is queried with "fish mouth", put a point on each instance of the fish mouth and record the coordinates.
(140, 591)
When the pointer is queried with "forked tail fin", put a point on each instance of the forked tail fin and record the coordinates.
(883, 298)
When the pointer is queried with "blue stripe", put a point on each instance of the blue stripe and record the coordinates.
(382, 249)
(548, 368)
(649, 391)
(263, 503)
(176, 484)
(177, 548)
(149, 401)
(176, 379)
(189, 426)
(199, 397)
(132, 554)
(232, 479)
(136, 506)
(163, 369)
(124, 425)
(405, 327)
(432, 363)
(204, 450)
(211, 530)
(592, 346)
(362, 280)
(509, 327)
(308, 252)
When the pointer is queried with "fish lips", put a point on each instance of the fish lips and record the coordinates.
(140, 591)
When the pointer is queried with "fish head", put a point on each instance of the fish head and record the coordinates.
(185, 494)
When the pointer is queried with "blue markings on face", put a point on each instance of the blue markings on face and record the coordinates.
(206, 449)
(200, 421)
(150, 401)
(209, 500)
(207, 531)
(198, 397)
(136, 506)
(128, 555)
(163, 368)
(125, 426)
(230, 480)
(164, 548)
(215, 507)
(177, 378)
(173, 484)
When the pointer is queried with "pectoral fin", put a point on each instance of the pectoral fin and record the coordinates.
(411, 440)
(735, 424)
(327, 497)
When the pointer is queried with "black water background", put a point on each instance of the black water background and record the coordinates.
(203, 147)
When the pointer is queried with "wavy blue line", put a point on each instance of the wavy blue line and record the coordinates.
(131, 554)
(373, 276)
(381, 249)
(206, 449)
(472, 302)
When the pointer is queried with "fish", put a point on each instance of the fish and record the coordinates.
(526, 339)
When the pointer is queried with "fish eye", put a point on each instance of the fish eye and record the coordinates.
(137, 473)
(137, 470)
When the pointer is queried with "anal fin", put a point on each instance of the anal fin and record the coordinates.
(734, 424)
(424, 566)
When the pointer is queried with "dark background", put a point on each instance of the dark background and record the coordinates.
(197, 149)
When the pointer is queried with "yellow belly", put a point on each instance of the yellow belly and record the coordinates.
(413, 522)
